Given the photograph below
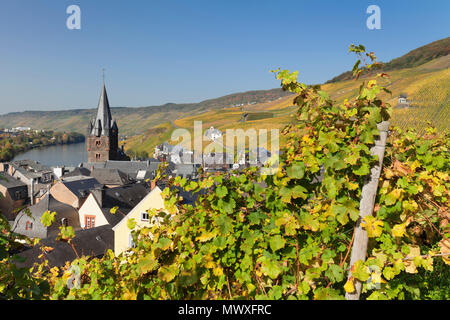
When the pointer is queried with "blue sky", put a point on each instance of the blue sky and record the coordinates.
(164, 51)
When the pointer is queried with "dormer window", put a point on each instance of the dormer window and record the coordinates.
(144, 216)
(29, 225)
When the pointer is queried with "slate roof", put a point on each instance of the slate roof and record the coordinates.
(78, 172)
(92, 242)
(80, 187)
(110, 176)
(131, 168)
(31, 164)
(125, 198)
(103, 121)
(9, 182)
(51, 204)
(186, 169)
(28, 174)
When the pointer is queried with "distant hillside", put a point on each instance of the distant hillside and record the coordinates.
(412, 59)
(426, 87)
(422, 74)
(132, 121)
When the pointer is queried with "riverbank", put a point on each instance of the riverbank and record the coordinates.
(14, 144)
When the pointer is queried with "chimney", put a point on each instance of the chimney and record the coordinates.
(152, 185)
(48, 196)
(31, 191)
(99, 194)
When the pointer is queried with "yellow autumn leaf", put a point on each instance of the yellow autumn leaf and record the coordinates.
(206, 236)
(209, 263)
(371, 83)
(410, 266)
(410, 205)
(129, 295)
(54, 271)
(442, 176)
(415, 165)
(306, 138)
(372, 226)
(349, 287)
(399, 230)
(376, 277)
(218, 271)
(384, 187)
(388, 173)
(353, 186)
(48, 249)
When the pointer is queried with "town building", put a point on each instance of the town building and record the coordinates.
(142, 215)
(73, 190)
(14, 195)
(96, 210)
(28, 221)
(403, 102)
(123, 239)
(213, 134)
(27, 170)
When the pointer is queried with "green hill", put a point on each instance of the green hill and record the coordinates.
(412, 59)
(426, 86)
(132, 121)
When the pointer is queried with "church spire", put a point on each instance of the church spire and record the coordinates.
(102, 123)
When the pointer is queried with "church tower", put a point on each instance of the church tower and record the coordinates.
(103, 134)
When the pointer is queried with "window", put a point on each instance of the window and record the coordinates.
(64, 222)
(89, 222)
(144, 216)
(97, 156)
(98, 143)
(29, 225)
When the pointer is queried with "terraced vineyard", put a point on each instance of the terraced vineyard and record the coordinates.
(430, 103)
(426, 87)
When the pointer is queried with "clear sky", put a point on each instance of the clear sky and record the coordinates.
(164, 51)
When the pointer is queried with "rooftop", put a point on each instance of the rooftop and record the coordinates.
(9, 182)
(79, 187)
(92, 242)
(108, 176)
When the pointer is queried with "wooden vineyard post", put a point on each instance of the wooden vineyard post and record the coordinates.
(368, 195)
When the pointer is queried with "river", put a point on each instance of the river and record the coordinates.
(65, 154)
